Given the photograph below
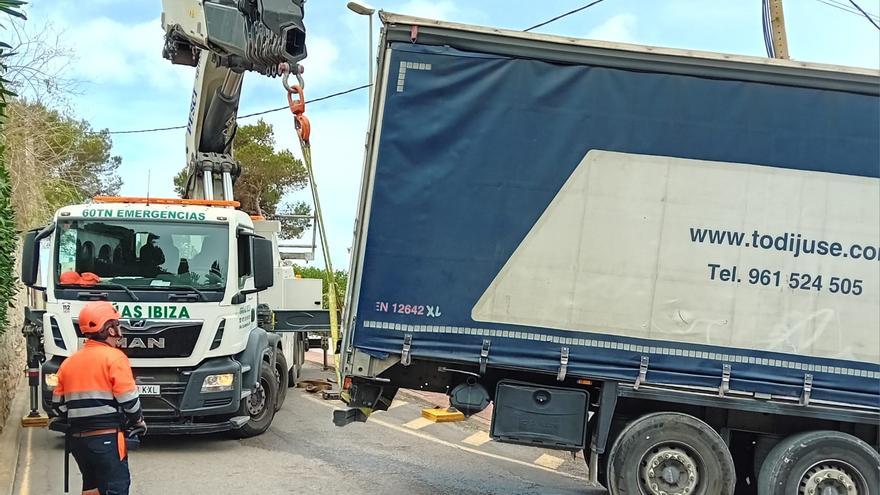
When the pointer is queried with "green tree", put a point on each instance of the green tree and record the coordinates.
(8, 237)
(341, 277)
(55, 160)
(267, 176)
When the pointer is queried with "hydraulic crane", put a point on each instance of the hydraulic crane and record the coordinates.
(223, 39)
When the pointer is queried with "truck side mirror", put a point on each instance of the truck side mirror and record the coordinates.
(263, 269)
(30, 259)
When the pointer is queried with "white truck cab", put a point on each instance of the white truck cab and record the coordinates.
(187, 277)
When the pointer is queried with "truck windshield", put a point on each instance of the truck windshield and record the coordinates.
(141, 254)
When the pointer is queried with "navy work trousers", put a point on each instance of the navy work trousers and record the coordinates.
(103, 464)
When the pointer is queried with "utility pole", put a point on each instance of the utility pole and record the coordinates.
(777, 21)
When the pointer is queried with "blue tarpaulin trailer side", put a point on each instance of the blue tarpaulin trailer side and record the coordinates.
(474, 147)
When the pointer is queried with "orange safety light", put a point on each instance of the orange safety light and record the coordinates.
(585, 382)
(258, 218)
(166, 201)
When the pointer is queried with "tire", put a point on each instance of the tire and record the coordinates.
(260, 405)
(801, 461)
(680, 445)
(281, 375)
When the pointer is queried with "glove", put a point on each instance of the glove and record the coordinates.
(139, 429)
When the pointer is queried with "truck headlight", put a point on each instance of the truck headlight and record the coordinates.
(218, 383)
(51, 380)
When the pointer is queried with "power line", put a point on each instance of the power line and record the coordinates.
(767, 41)
(865, 14)
(254, 114)
(560, 16)
(854, 11)
(845, 7)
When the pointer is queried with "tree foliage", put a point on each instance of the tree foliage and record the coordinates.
(341, 278)
(8, 237)
(267, 176)
(55, 160)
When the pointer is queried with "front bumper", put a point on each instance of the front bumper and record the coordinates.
(185, 428)
(181, 407)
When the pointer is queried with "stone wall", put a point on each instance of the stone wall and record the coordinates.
(12, 361)
(12, 350)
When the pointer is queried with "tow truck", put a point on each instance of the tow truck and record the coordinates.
(200, 284)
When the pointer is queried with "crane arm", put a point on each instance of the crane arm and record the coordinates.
(223, 39)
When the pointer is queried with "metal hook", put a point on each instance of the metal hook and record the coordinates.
(284, 68)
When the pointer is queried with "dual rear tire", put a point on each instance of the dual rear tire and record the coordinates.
(676, 454)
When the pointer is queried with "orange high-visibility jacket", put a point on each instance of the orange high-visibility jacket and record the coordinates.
(96, 389)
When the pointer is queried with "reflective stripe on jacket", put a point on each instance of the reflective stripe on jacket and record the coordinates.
(96, 389)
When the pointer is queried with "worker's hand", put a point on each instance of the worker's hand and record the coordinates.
(139, 429)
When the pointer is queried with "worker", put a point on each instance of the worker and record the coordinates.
(152, 257)
(96, 393)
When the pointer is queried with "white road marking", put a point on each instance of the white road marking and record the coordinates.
(429, 438)
(397, 403)
(477, 439)
(549, 461)
(419, 423)
(26, 474)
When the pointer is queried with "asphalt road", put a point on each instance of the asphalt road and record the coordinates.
(304, 453)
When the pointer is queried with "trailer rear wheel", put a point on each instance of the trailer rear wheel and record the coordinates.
(672, 454)
(820, 463)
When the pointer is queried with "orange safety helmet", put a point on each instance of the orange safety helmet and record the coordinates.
(69, 278)
(94, 315)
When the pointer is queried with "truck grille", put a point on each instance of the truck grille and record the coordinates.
(172, 385)
(157, 338)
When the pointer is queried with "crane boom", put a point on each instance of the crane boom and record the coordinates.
(223, 39)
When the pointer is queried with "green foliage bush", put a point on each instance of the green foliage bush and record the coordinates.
(8, 237)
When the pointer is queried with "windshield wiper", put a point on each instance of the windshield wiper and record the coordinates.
(185, 287)
(128, 291)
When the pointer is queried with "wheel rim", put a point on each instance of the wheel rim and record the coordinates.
(832, 477)
(669, 469)
(256, 404)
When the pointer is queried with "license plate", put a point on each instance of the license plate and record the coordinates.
(149, 389)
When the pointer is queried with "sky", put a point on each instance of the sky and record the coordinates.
(124, 83)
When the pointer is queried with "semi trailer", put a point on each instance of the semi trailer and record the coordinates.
(666, 259)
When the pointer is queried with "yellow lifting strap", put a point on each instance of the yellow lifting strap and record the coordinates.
(296, 101)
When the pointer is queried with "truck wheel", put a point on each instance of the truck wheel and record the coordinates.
(672, 454)
(281, 376)
(260, 405)
(821, 462)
